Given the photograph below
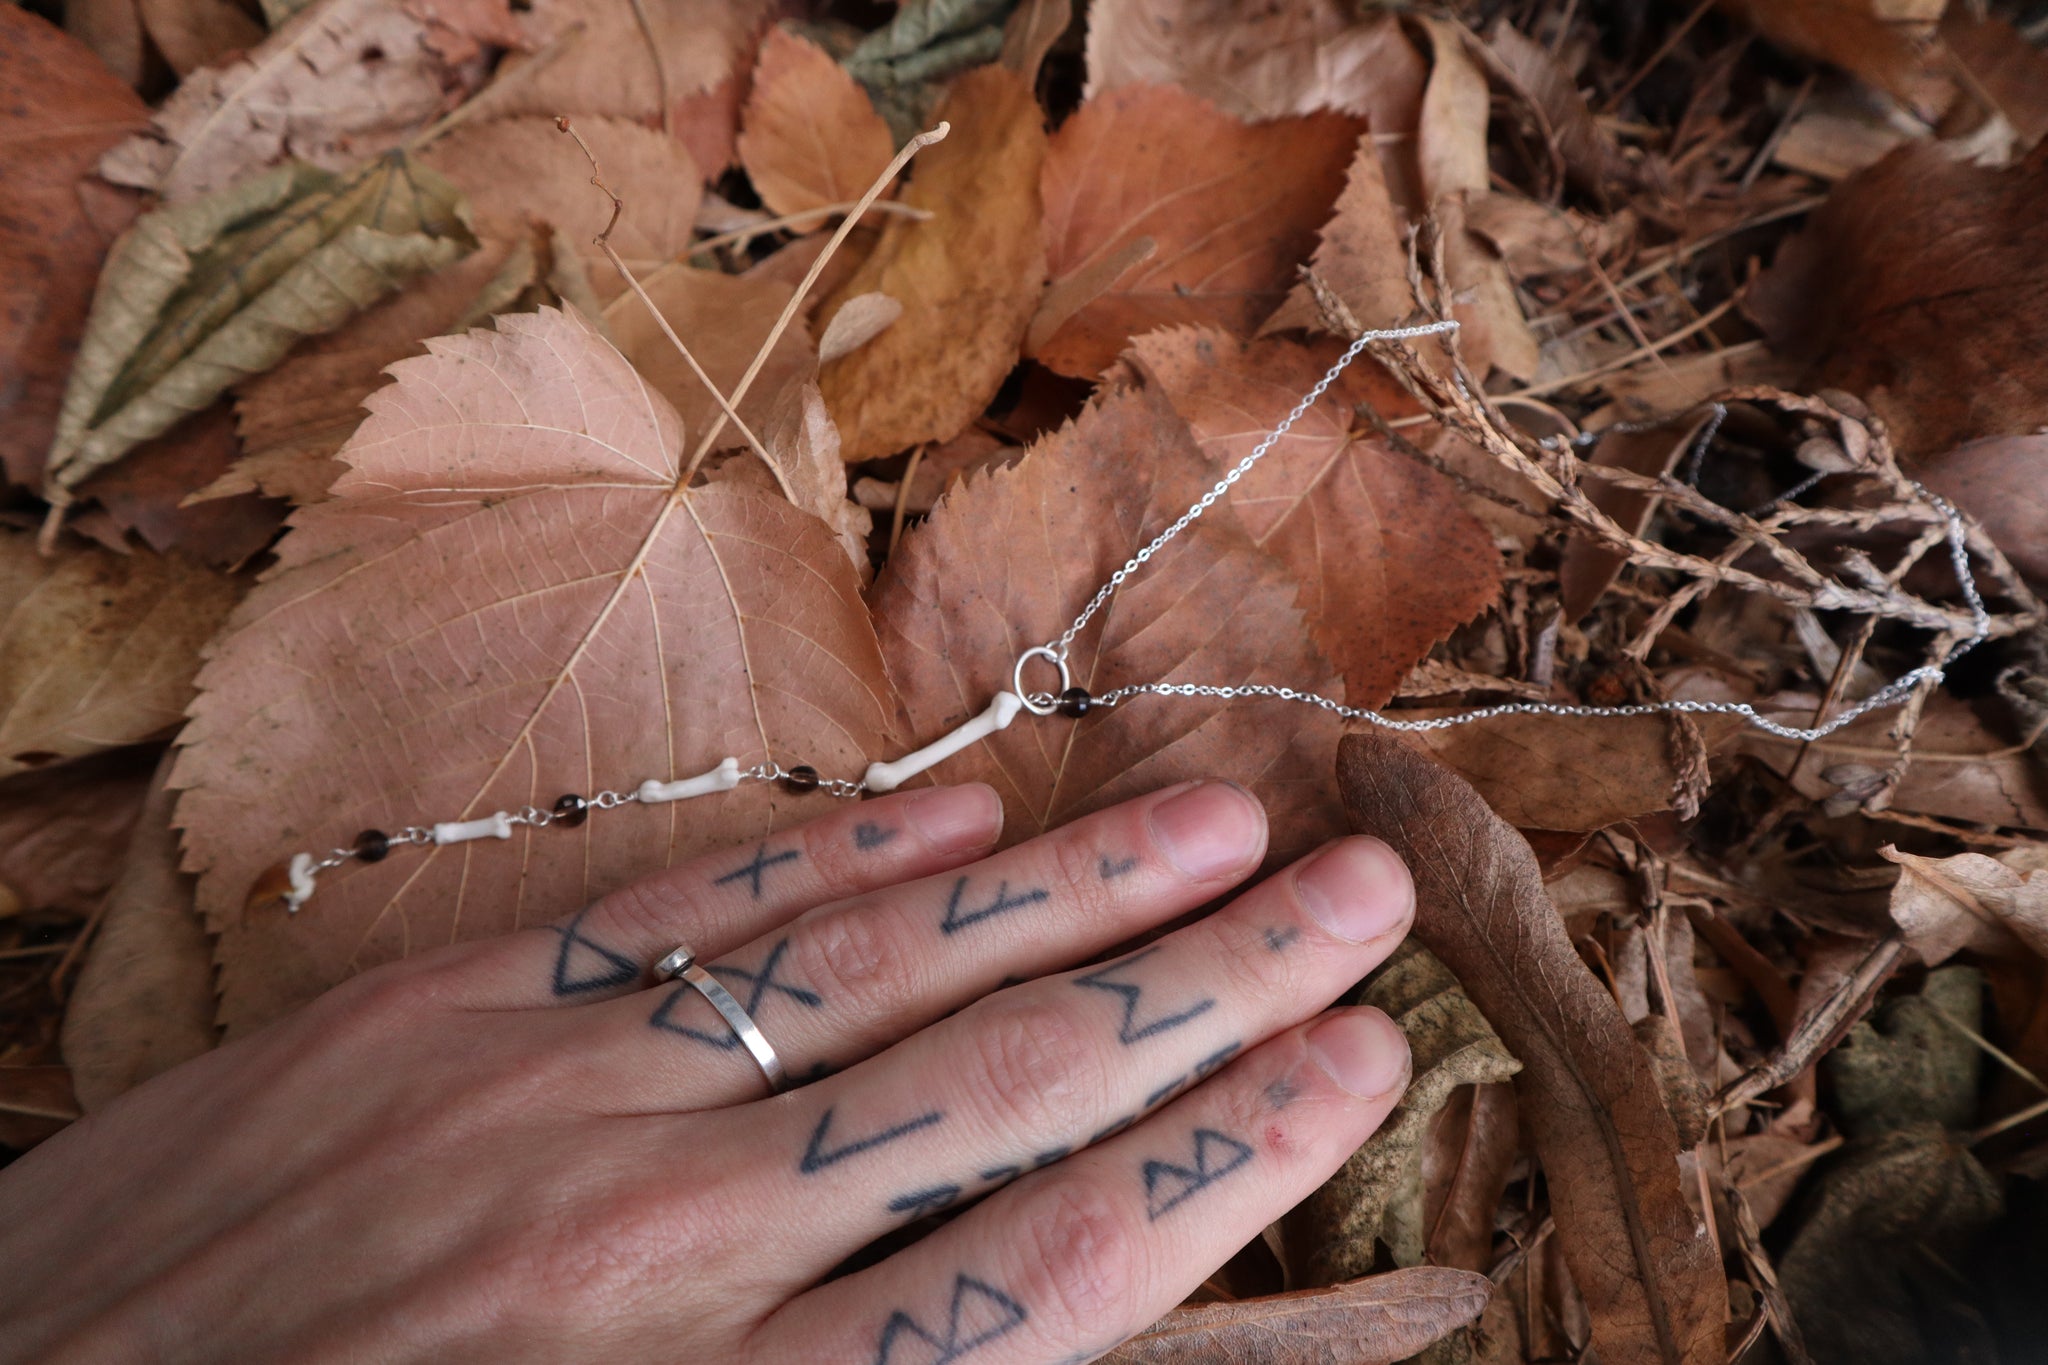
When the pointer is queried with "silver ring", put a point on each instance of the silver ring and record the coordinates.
(1047, 653)
(681, 965)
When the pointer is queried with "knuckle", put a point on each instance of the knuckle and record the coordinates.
(378, 1002)
(858, 956)
(1035, 1066)
(1075, 871)
(1235, 951)
(1088, 1256)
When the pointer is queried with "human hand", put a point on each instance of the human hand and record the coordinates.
(524, 1149)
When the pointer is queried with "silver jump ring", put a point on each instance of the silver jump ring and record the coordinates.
(681, 965)
(1031, 699)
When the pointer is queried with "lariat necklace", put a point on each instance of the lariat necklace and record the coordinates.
(1070, 701)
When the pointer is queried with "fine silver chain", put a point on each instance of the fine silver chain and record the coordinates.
(1891, 694)
(571, 810)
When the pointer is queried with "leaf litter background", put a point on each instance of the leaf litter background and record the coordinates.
(384, 497)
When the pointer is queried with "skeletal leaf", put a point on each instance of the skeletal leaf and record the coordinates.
(508, 597)
(204, 293)
(1374, 1321)
(97, 649)
(1451, 1045)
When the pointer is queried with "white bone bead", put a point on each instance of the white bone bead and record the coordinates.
(497, 826)
(301, 874)
(722, 778)
(887, 777)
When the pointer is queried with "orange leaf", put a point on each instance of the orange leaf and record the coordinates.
(1232, 207)
(507, 598)
(812, 136)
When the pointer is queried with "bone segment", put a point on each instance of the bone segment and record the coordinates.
(887, 777)
(722, 778)
(498, 826)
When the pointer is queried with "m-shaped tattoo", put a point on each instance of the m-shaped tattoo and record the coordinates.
(1131, 1028)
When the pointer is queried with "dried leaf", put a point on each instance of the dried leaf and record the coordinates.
(207, 292)
(2002, 67)
(516, 486)
(1466, 1159)
(812, 138)
(968, 277)
(58, 823)
(2003, 483)
(1971, 901)
(859, 320)
(1591, 158)
(1909, 1063)
(1650, 1278)
(113, 30)
(1883, 42)
(1374, 1321)
(621, 69)
(1231, 207)
(803, 449)
(1030, 32)
(516, 172)
(97, 650)
(58, 222)
(1919, 286)
(145, 493)
(1559, 772)
(296, 416)
(1339, 1226)
(1210, 608)
(1590, 565)
(342, 80)
(144, 1000)
(1388, 560)
(1361, 256)
(1259, 62)
(723, 319)
(1451, 150)
(35, 1103)
(196, 33)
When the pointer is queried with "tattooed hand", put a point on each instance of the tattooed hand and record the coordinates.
(526, 1149)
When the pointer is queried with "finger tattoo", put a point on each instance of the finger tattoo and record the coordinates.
(819, 1154)
(868, 835)
(751, 872)
(978, 1314)
(957, 919)
(1169, 1184)
(758, 984)
(583, 964)
(1112, 868)
(1130, 1030)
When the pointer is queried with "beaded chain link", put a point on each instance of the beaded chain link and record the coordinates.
(1071, 701)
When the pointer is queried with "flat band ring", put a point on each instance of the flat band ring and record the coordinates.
(681, 965)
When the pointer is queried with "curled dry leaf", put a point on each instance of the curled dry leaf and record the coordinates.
(1259, 62)
(803, 454)
(1466, 1159)
(1920, 286)
(196, 33)
(97, 650)
(1210, 608)
(340, 81)
(1338, 1229)
(58, 223)
(1971, 900)
(1374, 1321)
(113, 30)
(613, 70)
(1361, 257)
(723, 319)
(968, 277)
(1588, 1096)
(516, 172)
(1230, 207)
(859, 320)
(1388, 560)
(515, 486)
(57, 823)
(811, 138)
(145, 493)
(144, 1000)
(199, 295)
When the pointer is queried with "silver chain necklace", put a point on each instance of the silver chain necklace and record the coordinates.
(572, 810)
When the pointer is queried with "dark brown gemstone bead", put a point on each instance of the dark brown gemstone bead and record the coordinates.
(372, 844)
(1074, 702)
(571, 810)
(800, 779)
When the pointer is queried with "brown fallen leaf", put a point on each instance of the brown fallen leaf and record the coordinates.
(146, 493)
(1591, 158)
(1919, 287)
(97, 650)
(1361, 255)
(1388, 560)
(516, 485)
(342, 80)
(2002, 68)
(812, 138)
(516, 172)
(113, 30)
(1884, 44)
(1211, 608)
(1374, 1321)
(1971, 900)
(1232, 209)
(2002, 482)
(1466, 1159)
(1557, 772)
(723, 319)
(1336, 1232)
(196, 33)
(1590, 565)
(1262, 62)
(58, 822)
(60, 219)
(804, 459)
(613, 70)
(1650, 1278)
(35, 1103)
(859, 320)
(143, 1002)
(968, 277)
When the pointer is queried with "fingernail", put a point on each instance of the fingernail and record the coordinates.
(1357, 888)
(949, 819)
(1210, 829)
(1362, 1050)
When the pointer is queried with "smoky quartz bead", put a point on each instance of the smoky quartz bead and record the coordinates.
(1074, 702)
(570, 810)
(372, 845)
(800, 779)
